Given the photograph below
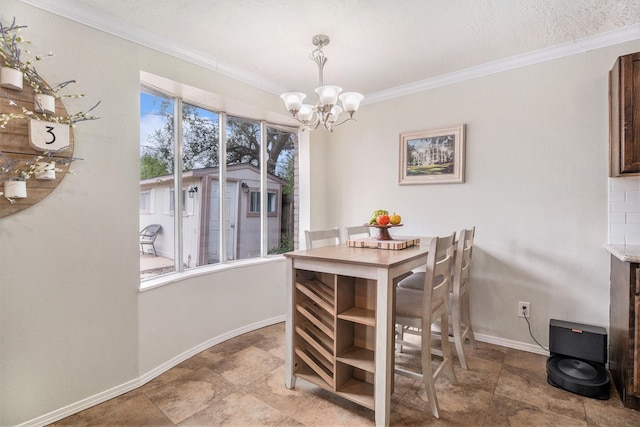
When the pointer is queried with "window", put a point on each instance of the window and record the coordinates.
(220, 221)
(172, 201)
(255, 202)
(145, 202)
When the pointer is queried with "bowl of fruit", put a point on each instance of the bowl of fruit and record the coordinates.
(381, 220)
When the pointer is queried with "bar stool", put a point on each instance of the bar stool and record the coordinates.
(357, 231)
(460, 315)
(420, 309)
(319, 238)
(460, 325)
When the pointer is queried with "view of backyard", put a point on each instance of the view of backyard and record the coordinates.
(220, 221)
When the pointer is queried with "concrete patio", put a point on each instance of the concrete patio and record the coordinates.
(151, 265)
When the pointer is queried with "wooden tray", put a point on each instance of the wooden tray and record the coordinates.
(394, 244)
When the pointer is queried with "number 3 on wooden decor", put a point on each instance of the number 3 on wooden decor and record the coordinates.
(48, 136)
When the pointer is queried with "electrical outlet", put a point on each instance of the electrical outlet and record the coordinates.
(524, 309)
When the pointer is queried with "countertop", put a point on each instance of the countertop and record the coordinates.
(625, 253)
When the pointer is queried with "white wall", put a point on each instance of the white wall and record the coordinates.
(536, 186)
(73, 325)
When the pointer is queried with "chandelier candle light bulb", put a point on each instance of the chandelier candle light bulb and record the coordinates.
(326, 111)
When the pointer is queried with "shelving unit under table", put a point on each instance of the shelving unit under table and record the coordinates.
(339, 330)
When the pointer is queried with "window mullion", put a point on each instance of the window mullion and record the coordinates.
(263, 190)
(177, 179)
(222, 183)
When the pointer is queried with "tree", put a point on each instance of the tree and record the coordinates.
(151, 166)
(200, 143)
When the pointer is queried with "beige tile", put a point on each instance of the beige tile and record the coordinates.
(189, 394)
(238, 409)
(331, 410)
(290, 422)
(531, 387)
(486, 351)
(525, 360)
(482, 373)
(402, 385)
(138, 411)
(271, 390)
(403, 415)
(201, 360)
(250, 339)
(459, 403)
(508, 412)
(610, 412)
(247, 365)
(167, 377)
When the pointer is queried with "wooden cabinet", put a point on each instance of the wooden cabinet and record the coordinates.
(624, 116)
(624, 325)
(334, 338)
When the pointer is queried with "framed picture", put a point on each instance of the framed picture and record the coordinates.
(432, 156)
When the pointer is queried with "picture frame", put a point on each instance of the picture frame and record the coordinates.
(434, 156)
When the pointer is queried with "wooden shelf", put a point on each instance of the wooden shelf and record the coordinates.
(307, 374)
(358, 357)
(335, 351)
(359, 315)
(323, 320)
(319, 293)
(318, 364)
(359, 392)
(314, 337)
(354, 390)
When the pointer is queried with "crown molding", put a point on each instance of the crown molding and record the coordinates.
(609, 38)
(87, 16)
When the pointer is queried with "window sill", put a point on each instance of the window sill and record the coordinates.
(204, 270)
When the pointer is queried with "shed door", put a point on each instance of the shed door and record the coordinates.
(230, 223)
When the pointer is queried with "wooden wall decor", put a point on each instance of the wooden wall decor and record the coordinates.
(14, 144)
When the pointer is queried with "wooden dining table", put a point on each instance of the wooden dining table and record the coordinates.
(339, 326)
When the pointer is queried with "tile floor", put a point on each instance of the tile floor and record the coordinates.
(241, 383)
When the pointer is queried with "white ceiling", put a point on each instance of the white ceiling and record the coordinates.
(376, 45)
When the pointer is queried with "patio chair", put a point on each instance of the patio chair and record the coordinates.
(148, 237)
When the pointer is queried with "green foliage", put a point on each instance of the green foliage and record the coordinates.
(286, 245)
(151, 166)
(434, 169)
(289, 173)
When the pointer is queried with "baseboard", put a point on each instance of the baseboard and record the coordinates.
(516, 345)
(102, 397)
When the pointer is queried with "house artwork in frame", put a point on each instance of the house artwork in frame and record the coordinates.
(432, 156)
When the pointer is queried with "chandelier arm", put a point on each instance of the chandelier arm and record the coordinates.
(308, 125)
(348, 119)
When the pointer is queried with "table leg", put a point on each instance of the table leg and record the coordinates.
(384, 348)
(289, 357)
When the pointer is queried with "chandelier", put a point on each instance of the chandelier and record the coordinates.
(326, 112)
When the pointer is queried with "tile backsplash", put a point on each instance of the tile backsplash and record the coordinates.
(624, 211)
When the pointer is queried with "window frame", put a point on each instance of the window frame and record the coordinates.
(177, 181)
(144, 210)
(270, 192)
